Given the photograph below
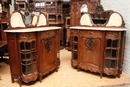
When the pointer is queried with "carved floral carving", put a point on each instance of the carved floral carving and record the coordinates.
(48, 44)
(90, 43)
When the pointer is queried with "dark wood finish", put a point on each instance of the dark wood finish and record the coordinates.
(26, 19)
(4, 16)
(35, 50)
(5, 9)
(34, 54)
(47, 49)
(75, 11)
(52, 7)
(3, 48)
(98, 15)
(3, 26)
(90, 56)
(15, 64)
(67, 25)
(94, 49)
(98, 51)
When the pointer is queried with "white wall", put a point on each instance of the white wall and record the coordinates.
(123, 7)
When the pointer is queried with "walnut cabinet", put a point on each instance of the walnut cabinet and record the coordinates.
(33, 53)
(53, 8)
(98, 49)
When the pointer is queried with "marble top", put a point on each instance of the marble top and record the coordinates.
(99, 28)
(36, 29)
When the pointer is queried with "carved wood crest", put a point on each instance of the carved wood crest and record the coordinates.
(48, 44)
(90, 43)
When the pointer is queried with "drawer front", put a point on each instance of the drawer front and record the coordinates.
(47, 33)
(91, 33)
(27, 36)
(110, 33)
(74, 31)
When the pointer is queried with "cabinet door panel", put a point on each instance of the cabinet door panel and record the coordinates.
(90, 50)
(90, 57)
(48, 53)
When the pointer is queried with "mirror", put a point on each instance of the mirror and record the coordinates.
(84, 8)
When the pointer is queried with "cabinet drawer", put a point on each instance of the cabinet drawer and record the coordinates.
(26, 36)
(74, 31)
(90, 33)
(113, 33)
(47, 33)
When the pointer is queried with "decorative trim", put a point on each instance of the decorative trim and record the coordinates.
(48, 44)
(90, 43)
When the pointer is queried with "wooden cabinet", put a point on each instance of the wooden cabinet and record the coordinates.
(90, 56)
(28, 58)
(4, 17)
(81, 6)
(113, 53)
(53, 8)
(98, 50)
(47, 49)
(33, 53)
(55, 14)
(20, 4)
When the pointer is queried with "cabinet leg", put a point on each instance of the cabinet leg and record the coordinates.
(57, 64)
(40, 77)
(57, 68)
(119, 74)
(101, 75)
(20, 81)
(78, 69)
(66, 44)
(12, 79)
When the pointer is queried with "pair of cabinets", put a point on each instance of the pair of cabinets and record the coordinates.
(98, 51)
(33, 54)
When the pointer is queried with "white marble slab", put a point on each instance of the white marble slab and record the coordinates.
(33, 29)
(99, 28)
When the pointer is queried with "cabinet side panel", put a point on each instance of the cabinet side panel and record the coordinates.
(14, 59)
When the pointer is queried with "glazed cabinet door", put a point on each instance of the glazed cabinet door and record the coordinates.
(74, 41)
(27, 46)
(112, 53)
(90, 44)
(47, 52)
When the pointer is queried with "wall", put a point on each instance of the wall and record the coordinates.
(124, 9)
